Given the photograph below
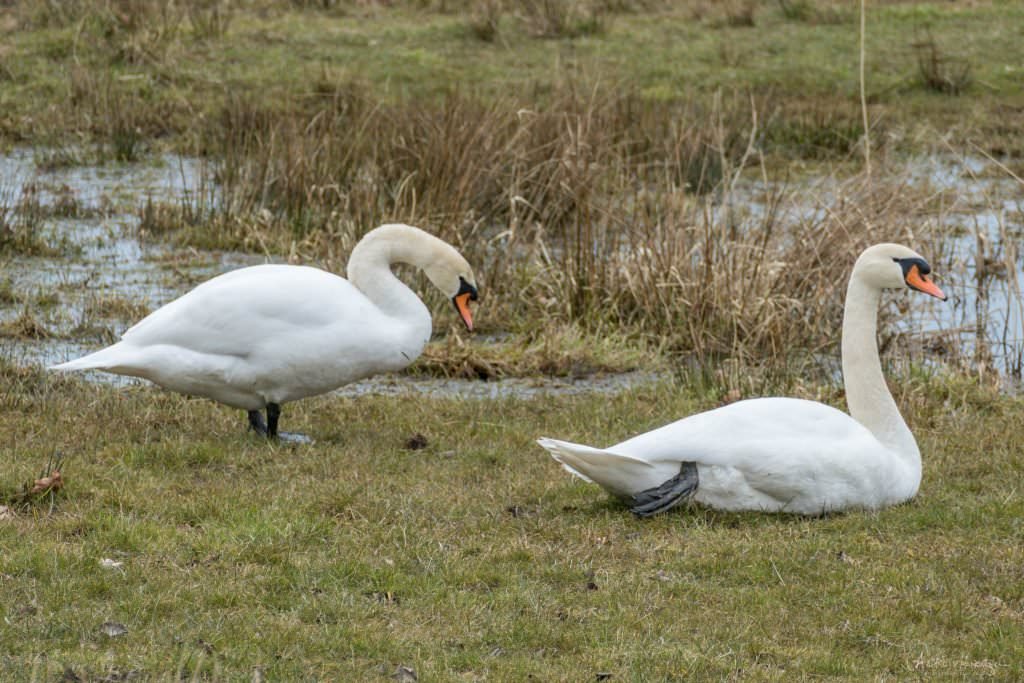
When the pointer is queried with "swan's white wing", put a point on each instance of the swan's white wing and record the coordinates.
(226, 315)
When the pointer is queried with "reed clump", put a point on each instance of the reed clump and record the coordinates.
(25, 326)
(22, 221)
(485, 19)
(940, 71)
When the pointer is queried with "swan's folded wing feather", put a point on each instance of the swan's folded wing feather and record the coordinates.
(226, 314)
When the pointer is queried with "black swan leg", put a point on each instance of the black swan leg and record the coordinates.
(256, 422)
(273, 413)
(670, 493)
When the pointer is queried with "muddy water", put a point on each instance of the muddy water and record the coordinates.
(111, 278)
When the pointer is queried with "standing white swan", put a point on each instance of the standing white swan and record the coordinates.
(261, 336)
(782, 454)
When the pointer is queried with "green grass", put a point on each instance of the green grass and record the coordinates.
(131, 84)
(477, 558)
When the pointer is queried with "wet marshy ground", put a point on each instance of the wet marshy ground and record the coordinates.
(93, 274)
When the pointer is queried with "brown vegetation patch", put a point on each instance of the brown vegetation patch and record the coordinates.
(25, 326)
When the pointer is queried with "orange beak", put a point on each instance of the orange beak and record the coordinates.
(462, 306)
(922, 284)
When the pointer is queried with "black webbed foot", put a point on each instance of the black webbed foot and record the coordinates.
(294, 437)
(670, 493)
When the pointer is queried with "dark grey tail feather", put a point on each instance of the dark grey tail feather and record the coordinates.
(669, 494)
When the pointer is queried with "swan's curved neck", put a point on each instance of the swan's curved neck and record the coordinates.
(867, 395)
(369, 269)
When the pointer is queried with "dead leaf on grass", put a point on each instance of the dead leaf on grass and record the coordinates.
(54, 482)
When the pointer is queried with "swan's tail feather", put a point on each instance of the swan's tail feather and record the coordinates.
(620, 474)
(562, 451)
(104, 359)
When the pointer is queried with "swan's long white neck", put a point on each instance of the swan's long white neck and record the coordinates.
(867, 395)
(369, 269)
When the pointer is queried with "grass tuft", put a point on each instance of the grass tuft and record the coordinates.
(815, 13)
(8, 295)
(114, 306)
(940, 72)
(210, 19)
(740, 13)
(563, 351)
(21, 222)
(485, 19)
(25, 326)
(563, 18)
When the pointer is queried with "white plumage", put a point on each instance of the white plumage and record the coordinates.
(266, 335)
(783, 454)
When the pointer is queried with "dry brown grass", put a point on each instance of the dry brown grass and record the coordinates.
(25, 326)
(598, 209)
(562, 18)
(22, 216)
(105, 305)
(485, 19)
(555, 350)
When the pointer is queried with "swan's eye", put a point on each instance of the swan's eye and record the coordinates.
(907, 263)
(466, 288)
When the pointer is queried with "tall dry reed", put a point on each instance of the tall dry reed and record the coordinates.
(597, 208)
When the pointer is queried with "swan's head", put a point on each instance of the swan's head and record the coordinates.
(893, 266)
(400, 243)
(452, 275)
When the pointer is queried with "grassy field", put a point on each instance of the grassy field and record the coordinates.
(594, 161)
(476, 557)
(69, 64)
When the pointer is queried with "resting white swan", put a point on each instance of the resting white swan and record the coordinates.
(782, 454)
(259, 337)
